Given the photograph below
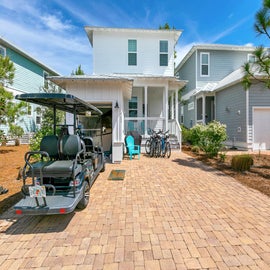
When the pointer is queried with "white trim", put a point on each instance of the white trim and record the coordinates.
(253, 130)
(4, 50)
(247, 115)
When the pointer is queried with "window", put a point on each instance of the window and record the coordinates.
(163, 53)
(38, 120)
(132, 52)
(2, 51)
(204, 60)
(133, 107)
(251, 58)
(38, 116)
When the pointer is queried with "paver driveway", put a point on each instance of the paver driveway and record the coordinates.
(167, 214)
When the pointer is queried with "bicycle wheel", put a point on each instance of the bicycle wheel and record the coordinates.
(158, 149)
(152, 149)
(163, 148)
(168, 150)
(147, 146)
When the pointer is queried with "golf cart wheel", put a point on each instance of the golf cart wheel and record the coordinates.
(103, 167)
(86, 195)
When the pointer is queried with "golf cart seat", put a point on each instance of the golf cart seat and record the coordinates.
(48, 153)
(70, 150)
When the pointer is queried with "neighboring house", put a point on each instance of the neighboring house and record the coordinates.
(30, 77)
(133, 82)
(214, 92)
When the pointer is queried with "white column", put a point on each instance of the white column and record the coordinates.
(172, 105)
(203, 109)
(166, 108)
(176, 106)
(145, 110)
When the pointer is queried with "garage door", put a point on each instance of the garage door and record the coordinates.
(261, 121)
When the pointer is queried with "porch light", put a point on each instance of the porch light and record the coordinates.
(116, 106)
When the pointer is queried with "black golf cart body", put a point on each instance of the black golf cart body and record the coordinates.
(60, 177)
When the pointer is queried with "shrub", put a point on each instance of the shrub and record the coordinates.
(195, 149)
(185, 134)
(242, 162)
(195, 134)
(36, 139)
(209, 137)
(222, 157)
(16, 132)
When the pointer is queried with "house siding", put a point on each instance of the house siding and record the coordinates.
(222, 63)
(28, 75)
(234, 99)
(114, 46)
(187, 73)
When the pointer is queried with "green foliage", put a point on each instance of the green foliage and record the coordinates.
(47, 117)
(261, 66)
(36, 139)
(78, 71)
(185, 134)
(209, 138)
(16, 132)
(222, 157)
(242, 162)
(195, 149)
(7, 70)
(2, 137)
(195, 134)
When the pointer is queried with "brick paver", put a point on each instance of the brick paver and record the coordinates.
(167, 214)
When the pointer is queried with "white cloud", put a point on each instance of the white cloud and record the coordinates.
(52, 22)
(227, 31)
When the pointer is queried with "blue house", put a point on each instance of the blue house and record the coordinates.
(214, 92)
(30, 76)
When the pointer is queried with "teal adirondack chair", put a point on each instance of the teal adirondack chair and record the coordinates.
(132, 149)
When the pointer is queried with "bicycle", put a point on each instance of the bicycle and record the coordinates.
(165, 145)
(148, 142)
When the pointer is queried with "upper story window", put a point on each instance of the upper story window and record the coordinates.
(132, 52)
(2, 51)
(163, 53)
(205, 63)
(251, 58)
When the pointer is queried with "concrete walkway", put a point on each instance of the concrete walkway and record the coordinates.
(167, 214)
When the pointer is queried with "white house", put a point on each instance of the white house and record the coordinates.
(133, 82)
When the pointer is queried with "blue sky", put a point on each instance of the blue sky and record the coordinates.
(52, 31)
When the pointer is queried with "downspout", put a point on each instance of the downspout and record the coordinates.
(247, 119)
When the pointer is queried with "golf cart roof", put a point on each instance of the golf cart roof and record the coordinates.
(63, 102)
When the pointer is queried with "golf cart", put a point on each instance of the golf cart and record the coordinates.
(58, 177)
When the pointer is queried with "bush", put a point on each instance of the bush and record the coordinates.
(185, 134)
(196, 133)
(36, 139)
(16, 132)
(242, 162)
(195, 149)
(209, 137)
